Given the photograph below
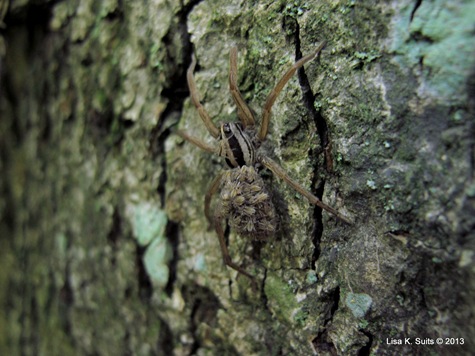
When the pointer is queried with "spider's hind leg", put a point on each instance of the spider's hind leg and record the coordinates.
(279, 172)
(209, 194)
(218, 225)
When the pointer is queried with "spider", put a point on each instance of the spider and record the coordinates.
(245, 202)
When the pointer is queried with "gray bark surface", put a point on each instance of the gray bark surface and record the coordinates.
(104, 246)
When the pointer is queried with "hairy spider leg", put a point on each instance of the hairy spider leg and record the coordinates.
(213, 130)
(217, 218)
(244, 113)
(203, 145)
(213, 188)
(218, 225)
(197, 142)
(278, 88)
(279, 172)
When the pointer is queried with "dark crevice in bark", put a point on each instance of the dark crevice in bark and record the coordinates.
(204, 310)
(322, 342)
(175, 94)
(196, 344)
(416, 6)
(336, 302)
(116, 228)
(318, 229)
(366, 349)
(471, 123)
(24, 33)
(35, 15)
(65, 303)
(117, 14)
(145, 288)
(323, 345)
(264, 300)
(308, 98)
(165, 343)
(172, 233)
(29, 337)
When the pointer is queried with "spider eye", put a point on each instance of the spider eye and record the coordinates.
(226, 128)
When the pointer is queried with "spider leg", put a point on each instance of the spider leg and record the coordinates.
(213, 130)
(224, 250)
(209, 194)
(279, 171)
(278, 88)
(218, 225)
(197, 142)
(244, 113)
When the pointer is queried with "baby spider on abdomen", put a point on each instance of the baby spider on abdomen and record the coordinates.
(244, 199)
(246, 203)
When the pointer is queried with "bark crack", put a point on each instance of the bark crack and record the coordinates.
(175, 92)
(416, 6)
(308, 98)
(322, 342)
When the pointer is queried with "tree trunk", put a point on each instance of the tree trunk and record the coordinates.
(105, 248)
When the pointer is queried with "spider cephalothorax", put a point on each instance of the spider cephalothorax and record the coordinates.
(238, 145)
(244, 200)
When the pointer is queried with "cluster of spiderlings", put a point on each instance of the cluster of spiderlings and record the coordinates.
(247, 204)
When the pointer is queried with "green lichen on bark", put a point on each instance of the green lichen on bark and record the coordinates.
(105, 248)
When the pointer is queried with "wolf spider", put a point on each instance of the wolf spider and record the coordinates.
(245, 201)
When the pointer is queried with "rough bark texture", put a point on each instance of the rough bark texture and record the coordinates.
(104, 247)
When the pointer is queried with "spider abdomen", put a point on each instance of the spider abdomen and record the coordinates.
(247, 204)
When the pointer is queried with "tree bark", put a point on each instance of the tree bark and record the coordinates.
(105, 248)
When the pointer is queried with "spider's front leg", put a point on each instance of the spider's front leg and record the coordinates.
(278, 88)
(197, 142)
(195, 98)
(244, 113)
(279, 172)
